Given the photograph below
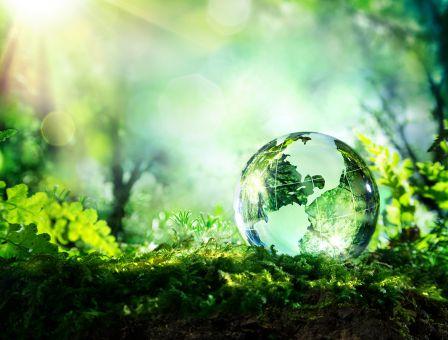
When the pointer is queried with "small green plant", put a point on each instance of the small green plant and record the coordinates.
(28, 223)
(202, 228)
(417, 203)
(186, 228)
(435, 187)
(67, 224)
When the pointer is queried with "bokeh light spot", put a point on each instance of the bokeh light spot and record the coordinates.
(58, 129)
(230, 16)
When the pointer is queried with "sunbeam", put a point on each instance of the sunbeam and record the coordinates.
(42, 13)
(152, 20)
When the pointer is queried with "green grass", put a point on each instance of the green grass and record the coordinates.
(225, 291)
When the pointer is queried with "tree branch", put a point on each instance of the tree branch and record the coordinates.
(438, 111)
(136, 173)
(384, 126)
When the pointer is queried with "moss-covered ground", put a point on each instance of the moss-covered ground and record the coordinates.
(216, 291)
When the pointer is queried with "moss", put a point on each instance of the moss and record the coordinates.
(85, 296)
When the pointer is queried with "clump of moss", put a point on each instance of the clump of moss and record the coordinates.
(403, 288)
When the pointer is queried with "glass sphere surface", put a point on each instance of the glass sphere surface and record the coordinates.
(307, 192)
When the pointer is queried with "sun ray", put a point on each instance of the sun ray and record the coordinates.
(42, 14)
(146, 17)
(7, 58)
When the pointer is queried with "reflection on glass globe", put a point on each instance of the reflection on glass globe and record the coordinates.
(307, 192)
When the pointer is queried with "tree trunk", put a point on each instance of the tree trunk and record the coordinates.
(121, 188)
(121, 199)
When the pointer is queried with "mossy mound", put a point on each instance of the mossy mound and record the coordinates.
(226, 291)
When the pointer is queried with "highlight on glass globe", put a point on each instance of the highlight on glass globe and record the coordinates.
(307, 192)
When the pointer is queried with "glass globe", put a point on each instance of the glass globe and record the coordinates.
(307, 192)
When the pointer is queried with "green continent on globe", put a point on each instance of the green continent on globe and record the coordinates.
(285, 185)
(331, 226)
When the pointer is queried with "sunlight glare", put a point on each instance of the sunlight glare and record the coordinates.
(40, 13)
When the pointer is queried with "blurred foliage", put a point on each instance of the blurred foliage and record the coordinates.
(24, 157)
(67, 224)
(413, 188)
(29, 223)
(185, 228)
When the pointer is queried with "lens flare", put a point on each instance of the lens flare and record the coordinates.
(58, 129)
(41, 13)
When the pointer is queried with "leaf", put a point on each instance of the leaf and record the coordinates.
(65, 223)
(20, 209)
(6, 134)
(440, 139)
(18, 192)
(25, 241)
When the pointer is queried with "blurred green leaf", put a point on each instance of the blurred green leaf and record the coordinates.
(6, 134)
